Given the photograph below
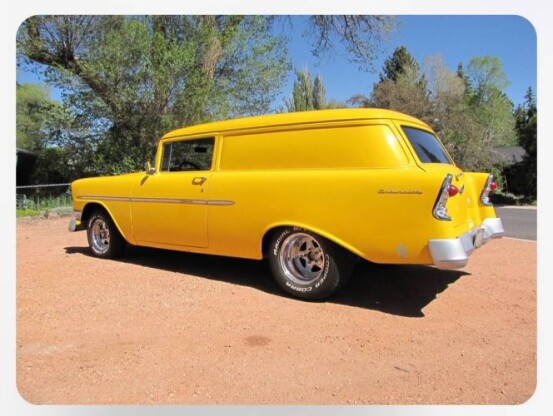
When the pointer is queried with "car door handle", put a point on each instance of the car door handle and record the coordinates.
(198, 180)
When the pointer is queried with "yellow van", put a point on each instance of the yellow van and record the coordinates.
(309, 191)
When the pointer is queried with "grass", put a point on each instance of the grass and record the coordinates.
(59, 205)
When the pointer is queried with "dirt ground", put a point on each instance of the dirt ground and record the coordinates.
(172, 328)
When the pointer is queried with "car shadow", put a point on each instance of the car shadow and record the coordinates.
(396, 290)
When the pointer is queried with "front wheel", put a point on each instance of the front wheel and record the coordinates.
(307, 265)
(104, 238)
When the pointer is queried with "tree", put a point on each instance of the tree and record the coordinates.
(137, 77)
(308, 94)
(523, 176)
(402, 87)
(37, 117)
(399, 64)
(319, 93)
(133, 78)
(468, 109)
(42, 124)
(361, 35)
(493, 109)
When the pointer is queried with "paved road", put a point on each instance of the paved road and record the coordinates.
(519, 222)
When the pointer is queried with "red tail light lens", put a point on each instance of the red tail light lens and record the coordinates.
(493, 186)
(452, 190)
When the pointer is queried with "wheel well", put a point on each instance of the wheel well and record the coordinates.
(265, 243)
(89, 209)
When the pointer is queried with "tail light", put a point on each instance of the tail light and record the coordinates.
(446, 190)
(490, 186)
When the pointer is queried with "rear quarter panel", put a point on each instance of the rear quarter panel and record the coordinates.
(382, 215)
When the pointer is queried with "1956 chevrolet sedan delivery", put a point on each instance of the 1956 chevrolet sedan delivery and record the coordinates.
(309, 191)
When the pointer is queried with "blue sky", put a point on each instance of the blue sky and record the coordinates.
(456, 38)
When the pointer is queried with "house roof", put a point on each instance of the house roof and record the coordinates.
(509, 155)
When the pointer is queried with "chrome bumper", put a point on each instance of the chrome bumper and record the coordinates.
(454, 253)
(75, 224)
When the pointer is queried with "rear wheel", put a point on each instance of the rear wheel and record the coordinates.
(104, 238)
(307, 265)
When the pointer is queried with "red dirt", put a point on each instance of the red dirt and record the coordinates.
(171, 328)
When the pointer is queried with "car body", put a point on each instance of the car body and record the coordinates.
(311, 191)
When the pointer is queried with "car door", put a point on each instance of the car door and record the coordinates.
(170, 206)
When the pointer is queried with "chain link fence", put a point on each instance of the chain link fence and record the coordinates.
(43, 196)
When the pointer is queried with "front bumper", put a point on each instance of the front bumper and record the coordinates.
(454, 253)
(75, 224)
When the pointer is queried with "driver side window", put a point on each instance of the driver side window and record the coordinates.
(187, 155)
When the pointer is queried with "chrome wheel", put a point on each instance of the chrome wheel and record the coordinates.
(301, 258)
(100, 238)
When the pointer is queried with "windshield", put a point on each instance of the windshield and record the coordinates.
(427, 146)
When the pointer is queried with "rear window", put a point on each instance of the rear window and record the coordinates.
(427, 146)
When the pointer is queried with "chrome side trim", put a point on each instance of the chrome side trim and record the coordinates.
(104, 197)
(170, 201)
(217, 202)
(220, 202)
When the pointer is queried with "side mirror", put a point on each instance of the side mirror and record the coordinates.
(150, 170)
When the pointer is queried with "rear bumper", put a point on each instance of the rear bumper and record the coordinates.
(454, 253)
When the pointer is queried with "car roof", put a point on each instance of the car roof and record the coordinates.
(285, 119)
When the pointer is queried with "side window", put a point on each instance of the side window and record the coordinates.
(187, 155)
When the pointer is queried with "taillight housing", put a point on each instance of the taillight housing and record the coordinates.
(440, 210)
(489, 187)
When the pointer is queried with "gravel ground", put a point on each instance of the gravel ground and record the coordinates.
(171, 328)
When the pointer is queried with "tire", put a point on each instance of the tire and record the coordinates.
(306, 265)
(104, 239)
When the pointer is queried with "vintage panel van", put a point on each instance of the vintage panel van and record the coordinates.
(309, 191)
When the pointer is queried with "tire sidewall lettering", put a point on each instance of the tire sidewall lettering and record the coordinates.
(325, 284)
(279, 240)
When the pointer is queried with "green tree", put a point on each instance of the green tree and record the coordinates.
(302, 92)
(401, 63)
(37, 117)
(319, 94)
(138, 77)
(491, 106)
(523, 176)
(309, 94)
(130, 79)
(402, 87)
(468, 109)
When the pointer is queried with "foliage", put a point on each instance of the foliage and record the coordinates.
(522, 177)
(38, 117)
(52, 166)
(401, 63)
(130, 79)
(58, 205)
(360, 35)
(468, 109)
(308, 94)
(27, 212)
(401, 87)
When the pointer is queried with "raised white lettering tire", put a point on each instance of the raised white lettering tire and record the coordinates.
(104, 238)
(307, 265)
